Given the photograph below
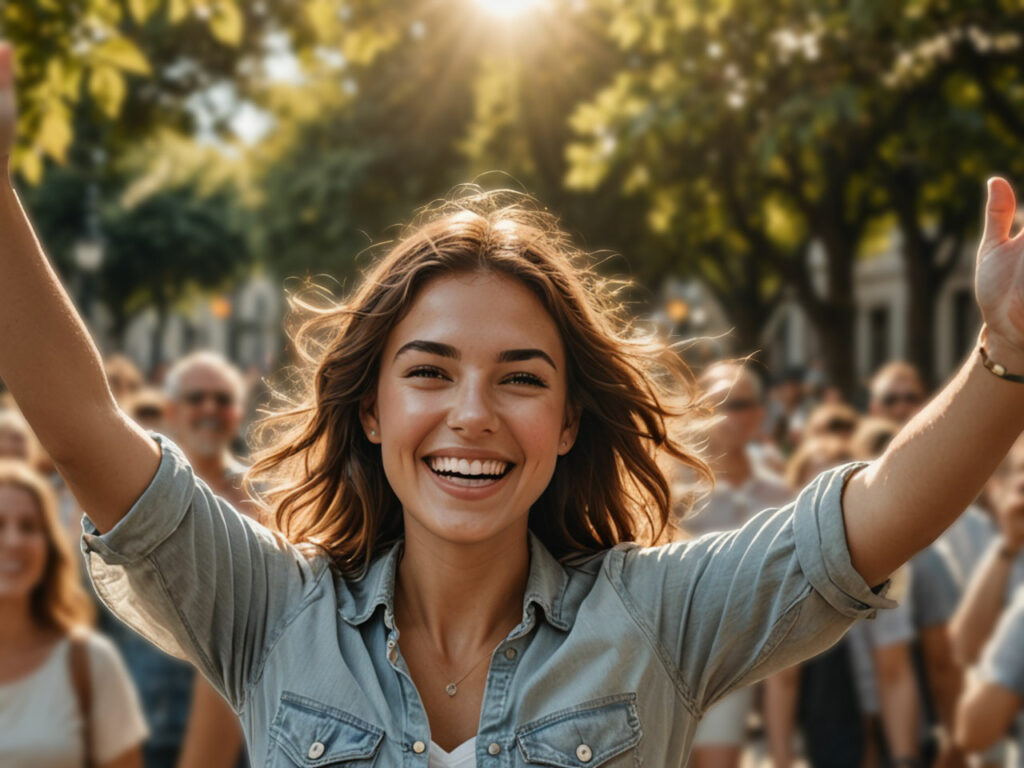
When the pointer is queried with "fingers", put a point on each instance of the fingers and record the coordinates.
(999, 212)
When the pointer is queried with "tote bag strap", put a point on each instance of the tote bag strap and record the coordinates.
(81, 681)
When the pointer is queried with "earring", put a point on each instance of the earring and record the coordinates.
(374, 432)
(563, 443)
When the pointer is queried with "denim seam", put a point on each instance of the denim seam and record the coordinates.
(279, 631)
(184, 623)
(622, 591)
(775, 637)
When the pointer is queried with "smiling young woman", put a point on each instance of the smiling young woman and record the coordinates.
(467, 501)
(46, 717)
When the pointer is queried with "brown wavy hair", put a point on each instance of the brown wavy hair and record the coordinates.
(59, 601)
(322, 481)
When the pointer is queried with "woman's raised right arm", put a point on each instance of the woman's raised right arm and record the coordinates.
(51, 365)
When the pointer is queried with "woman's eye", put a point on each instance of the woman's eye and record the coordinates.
(425, 373)
(526, 378)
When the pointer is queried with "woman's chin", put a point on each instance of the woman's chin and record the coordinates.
(466, 527)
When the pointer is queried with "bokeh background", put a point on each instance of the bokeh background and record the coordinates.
(804, 177)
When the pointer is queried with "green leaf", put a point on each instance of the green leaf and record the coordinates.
(54, 134)
(107, 88)
(122, 53)
(226, 22)
(143, 9)
(29, 164)
(177, 10)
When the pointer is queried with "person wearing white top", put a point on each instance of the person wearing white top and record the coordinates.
(59, 707)
(742, 489)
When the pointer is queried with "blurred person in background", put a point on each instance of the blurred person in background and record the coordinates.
(819, 693)
(896, 392)
(16, 438)
(934, 590)
(837, 419)
(123, 377)
(205, 404)
(990, 590)
(743, 487)
(201, 408)
(205, 396)
(147, 408)
(17, 441)
(787, 410)
(993, 707)
(66, 700)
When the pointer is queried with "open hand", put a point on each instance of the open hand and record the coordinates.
(1000, 278)
(7, 103)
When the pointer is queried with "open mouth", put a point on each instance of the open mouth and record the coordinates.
(466, 472)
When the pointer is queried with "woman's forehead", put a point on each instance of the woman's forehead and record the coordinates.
(479, 310)
(16, 501)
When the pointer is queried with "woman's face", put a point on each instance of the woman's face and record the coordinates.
(23, 542)
(471, 407)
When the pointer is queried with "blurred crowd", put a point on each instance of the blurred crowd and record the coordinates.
(939, 680)
(77, 687)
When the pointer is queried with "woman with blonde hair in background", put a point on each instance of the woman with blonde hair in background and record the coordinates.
(65, 698)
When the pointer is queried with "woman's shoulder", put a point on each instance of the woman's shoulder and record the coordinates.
(103, 654)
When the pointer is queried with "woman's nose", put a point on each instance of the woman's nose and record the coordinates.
(473, 410)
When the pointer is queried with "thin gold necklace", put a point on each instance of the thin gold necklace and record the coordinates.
(453, 687)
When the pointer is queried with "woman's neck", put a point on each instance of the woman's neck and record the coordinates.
(17, 626)
(461, 596)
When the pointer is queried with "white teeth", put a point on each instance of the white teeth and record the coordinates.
(467, 467)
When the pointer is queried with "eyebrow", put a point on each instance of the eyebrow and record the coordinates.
(447, 350)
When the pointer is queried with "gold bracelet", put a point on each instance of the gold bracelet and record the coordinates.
(996, 368)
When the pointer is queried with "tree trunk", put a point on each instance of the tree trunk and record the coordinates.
(922, 290)
(834, 315)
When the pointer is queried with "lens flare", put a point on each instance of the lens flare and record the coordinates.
(507, 8)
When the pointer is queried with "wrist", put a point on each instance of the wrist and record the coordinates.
(1002, 352)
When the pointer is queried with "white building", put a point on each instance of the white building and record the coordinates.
(881, 297)
(244, 325)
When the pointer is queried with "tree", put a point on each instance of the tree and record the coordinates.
(166, 246)
(777, 111)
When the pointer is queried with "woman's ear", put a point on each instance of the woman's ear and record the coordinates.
(570, 429)
(368, 417)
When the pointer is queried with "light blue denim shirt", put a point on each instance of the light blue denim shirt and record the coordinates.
(616, 658)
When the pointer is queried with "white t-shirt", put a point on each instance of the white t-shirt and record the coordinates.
(40, 725)
(463, 756)
(728, 507)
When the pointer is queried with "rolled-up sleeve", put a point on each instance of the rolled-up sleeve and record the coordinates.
(728, 609)
(197, 578)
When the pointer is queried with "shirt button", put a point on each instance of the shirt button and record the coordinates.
(316, 749)
(510, 653)
(419, 747)
(493, 748)
(584, 753)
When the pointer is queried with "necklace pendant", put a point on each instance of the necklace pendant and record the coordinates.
(451, 689)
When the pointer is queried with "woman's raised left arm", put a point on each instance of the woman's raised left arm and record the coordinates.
(938, 463)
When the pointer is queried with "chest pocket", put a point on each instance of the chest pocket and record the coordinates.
(309, 734)
(601, 732)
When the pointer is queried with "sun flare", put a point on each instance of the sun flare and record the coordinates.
(507, 9)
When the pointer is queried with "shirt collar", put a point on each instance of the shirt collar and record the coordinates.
(546, 585)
